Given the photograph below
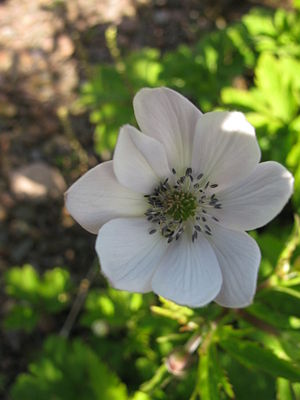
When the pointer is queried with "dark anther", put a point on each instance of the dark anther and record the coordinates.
(194, 236)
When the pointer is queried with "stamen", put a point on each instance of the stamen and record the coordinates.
(194, 236)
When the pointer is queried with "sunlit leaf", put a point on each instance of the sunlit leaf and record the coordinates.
(252, 355)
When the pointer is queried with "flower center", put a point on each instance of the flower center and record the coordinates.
(185, 203)
(180, 205)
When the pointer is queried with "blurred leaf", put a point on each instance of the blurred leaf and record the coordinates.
(140, 396)
(269, 315)
(173, 311)
(53, 289)
(208, 379)
(35, 295)
(22, 283)
(274, 32)
(276, 87)
(212, 378)
(291, 344)
(252, 355)
(21, 317)
(284, 390)
(68, 371)
(156, 380)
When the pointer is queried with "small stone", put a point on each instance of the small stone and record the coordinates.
(37, 181)
(161, 17)
(65, 46)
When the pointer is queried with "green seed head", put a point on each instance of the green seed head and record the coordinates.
(180, 205)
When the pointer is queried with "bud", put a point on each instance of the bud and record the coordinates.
(177, 361)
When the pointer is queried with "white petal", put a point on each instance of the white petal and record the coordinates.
(170, 118)
(189, 273)
(225, 148)
(140, 162)
(239, 258)
(97, 197)
(128, 254)
(258, 199)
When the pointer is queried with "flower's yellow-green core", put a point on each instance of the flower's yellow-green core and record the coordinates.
(181, 202)
(180, 205)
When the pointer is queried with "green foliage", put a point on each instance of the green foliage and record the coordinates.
(68, 371)
(202, 71)
(35, 295)
(278, 33)
(272, 106)
(252, 355)
(213, 382)
(109, 94)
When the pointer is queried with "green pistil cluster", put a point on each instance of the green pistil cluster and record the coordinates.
(180, 205)
(180, 202)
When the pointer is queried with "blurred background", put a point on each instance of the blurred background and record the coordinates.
(68, 74)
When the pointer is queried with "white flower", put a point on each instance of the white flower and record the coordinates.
(171, 208)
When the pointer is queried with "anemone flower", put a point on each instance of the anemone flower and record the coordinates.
(172, 207)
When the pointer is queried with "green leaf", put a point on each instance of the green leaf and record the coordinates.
(140, 396)
(284, 390)
(212, 378)
(53, 289)
(68, 371)
(22, 283)
(252, 355)
(290, 342)
(21, 317)
(269, 315)
(271, 80)
(208, 383)
(259, 22)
